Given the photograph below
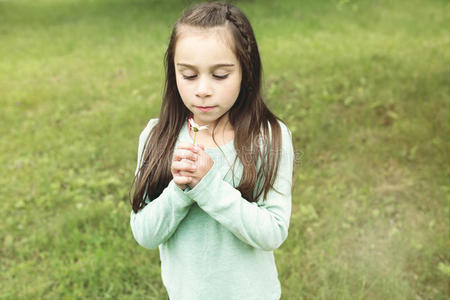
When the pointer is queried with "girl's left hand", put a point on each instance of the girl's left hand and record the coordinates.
(203, 163)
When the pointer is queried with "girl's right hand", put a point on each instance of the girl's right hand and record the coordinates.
(183, 164)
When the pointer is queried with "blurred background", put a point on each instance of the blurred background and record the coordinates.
(363, 86)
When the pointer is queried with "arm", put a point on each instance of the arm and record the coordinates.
(158, 220)
(263, 226)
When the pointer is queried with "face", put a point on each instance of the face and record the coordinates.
(207, 71)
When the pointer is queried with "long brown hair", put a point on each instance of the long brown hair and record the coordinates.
(249, 116)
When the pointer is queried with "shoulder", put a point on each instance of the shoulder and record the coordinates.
(143, 140)
(144, 134)
(284, 129)
(286, 134)
(146, 131)
(287, 144)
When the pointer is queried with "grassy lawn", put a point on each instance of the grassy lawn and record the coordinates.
(363, 85)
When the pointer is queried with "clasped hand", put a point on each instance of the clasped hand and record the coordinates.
(190, 163)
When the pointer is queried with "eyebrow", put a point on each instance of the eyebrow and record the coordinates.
(214, 66)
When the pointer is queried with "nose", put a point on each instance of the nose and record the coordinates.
(203, 87)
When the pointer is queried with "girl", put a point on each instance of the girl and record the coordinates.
(216, 210)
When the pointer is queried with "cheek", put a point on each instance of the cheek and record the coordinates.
(234, 86)
(229, 92)
(182, 88)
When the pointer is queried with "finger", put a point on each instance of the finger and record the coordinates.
(188, 146)
(184, 154)
(183, 165)
(182, 179)
(185, 174)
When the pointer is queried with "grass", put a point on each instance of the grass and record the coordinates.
(363, 85)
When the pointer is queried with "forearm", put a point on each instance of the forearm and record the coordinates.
(262, 226)
(158, 220)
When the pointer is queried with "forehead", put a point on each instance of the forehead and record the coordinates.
(208, 45)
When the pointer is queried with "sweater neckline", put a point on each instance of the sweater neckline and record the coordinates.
(225, 148)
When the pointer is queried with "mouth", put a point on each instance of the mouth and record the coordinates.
(205, 108)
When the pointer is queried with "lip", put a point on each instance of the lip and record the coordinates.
(205, 108)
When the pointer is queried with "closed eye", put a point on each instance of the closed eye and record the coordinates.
(189, 77)
(221, 76)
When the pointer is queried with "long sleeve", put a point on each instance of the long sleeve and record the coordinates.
(159, 219)
(263, 226)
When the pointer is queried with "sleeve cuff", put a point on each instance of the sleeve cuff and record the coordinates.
(179, 193)
(203, 188)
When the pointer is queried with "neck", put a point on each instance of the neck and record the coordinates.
(222, 126)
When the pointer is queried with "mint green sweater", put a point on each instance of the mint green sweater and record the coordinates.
(214, 244)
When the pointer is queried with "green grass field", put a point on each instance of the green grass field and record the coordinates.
(363, 85)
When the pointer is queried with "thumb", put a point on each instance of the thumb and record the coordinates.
(201, 146)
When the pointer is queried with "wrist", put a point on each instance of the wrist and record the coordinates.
(181, 186)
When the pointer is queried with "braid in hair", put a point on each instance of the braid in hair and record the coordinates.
(246, 39)
(238, 24)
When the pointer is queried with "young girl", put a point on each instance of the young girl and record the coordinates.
(219, 206)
